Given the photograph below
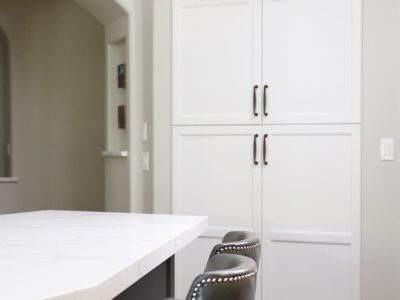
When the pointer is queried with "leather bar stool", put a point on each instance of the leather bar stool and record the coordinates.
(244, 243)
(226, 277)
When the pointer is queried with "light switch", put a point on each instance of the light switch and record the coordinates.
(146, 161)
(387, 149)
(144, 132)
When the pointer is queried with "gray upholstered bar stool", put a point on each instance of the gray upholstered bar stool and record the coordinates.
(226, 277)
(244, 243)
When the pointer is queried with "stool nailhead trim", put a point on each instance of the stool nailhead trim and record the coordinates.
(236, 248)
(205, 281)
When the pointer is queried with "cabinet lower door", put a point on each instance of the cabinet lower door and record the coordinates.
(216, 173)
(311, 212)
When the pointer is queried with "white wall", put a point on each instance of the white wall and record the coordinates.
(57, 90)
(140, 106)
(135, 104)
(381, 180)
(162, 101)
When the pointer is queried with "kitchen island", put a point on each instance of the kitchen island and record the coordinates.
(91, 255)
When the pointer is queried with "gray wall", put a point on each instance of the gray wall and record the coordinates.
(381, 180)
(147, 9)
(57, 95)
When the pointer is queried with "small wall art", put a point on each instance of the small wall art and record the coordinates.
(122, 76)
(121, 117)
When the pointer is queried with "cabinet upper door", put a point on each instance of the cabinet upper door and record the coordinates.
(216, 62)
(312, 61)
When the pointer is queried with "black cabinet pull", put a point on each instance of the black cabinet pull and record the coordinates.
(265, 100)
(265, 149)
(255, 100)
(255, 149)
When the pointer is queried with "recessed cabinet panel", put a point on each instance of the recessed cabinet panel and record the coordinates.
(311, 216)
(311, 58)
(216, 61)
(309, 181)
(215, 175)
(309, 272)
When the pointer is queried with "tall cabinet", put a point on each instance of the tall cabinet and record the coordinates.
(266, 137)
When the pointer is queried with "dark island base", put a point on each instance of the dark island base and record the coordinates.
(156, 285)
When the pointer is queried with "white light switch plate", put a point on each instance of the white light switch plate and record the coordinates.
(144, 132)
(146, 161)
(387, 149)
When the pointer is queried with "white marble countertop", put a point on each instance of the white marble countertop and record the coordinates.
(85, 255)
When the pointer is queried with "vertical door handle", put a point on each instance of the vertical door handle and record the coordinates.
(255, 100)
(265, 100)
(255, 149)
(265, 149)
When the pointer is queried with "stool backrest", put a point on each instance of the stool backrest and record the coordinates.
(226, 277)
(244, 243)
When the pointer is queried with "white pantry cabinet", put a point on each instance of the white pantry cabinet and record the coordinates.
(266, 137)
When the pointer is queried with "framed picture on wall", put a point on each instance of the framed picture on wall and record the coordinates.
(121, 117)
(122, 76)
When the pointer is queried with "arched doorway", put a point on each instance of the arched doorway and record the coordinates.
(58, 112)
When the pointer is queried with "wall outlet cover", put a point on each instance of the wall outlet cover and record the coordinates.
(146, 161)
(144, 132)
(387, 149)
